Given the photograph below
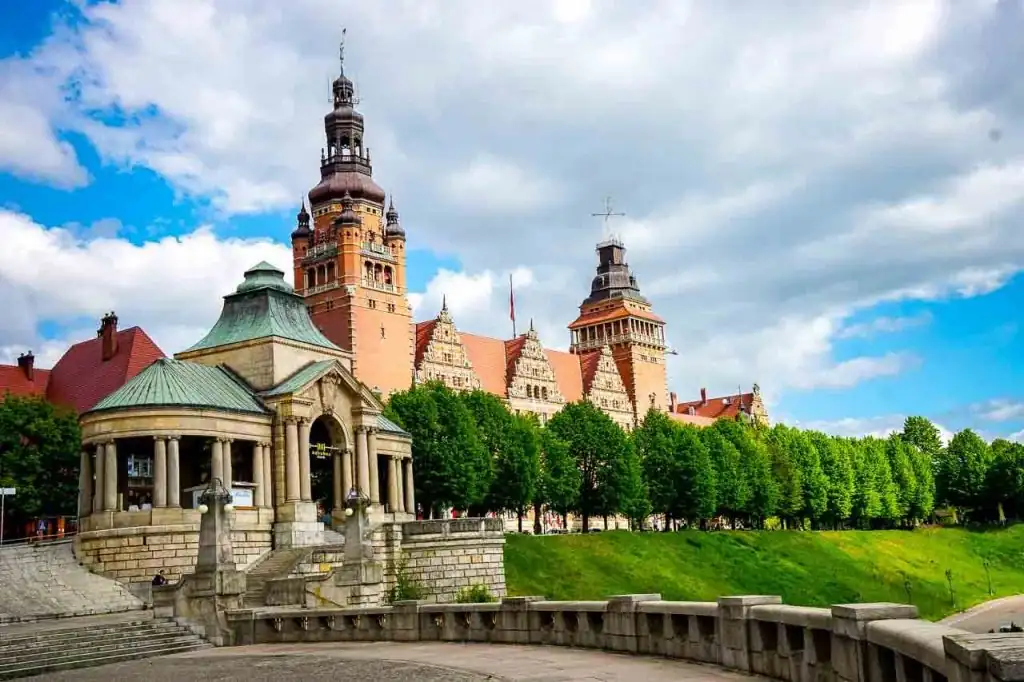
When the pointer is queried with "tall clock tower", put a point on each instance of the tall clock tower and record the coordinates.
(349, 255)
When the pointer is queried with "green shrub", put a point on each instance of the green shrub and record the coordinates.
(405, 588)
(477, 594)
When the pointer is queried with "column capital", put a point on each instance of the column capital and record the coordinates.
(304, 421)
(174, 436)
(361, 428)
(160, 437)
(372, 430)
(291, 419)
(225, 439)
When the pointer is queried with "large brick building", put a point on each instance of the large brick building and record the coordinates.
(350, 265)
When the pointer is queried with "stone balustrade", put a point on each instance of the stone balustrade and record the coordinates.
(752, 634)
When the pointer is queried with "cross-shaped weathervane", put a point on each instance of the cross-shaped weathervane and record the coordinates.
(608, 214)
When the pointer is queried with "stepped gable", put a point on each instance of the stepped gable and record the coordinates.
(528, 370)
(603, 384)
(441, 355)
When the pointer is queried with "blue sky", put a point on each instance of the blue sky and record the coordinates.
(841, 229)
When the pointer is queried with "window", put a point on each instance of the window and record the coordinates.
(372, 303)
(529, 391)
(140, 467)
(448, 357)
(544, 392)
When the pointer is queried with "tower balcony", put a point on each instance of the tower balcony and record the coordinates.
(377, 250)
(584, 345)
(379, 286)
(320, 288)
(323, 250)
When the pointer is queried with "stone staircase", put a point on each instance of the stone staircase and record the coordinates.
(277, 564)
(87, 642)
(46, 581)
(333, 537)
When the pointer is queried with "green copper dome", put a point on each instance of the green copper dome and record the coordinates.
(263, 306)
(263, 275)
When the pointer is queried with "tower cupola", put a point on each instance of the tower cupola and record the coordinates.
(393, 228)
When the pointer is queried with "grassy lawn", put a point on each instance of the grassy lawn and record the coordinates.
(805, 568)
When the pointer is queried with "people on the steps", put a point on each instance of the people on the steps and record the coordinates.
(159, 579)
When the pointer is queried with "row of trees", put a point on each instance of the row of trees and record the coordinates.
(472, 453)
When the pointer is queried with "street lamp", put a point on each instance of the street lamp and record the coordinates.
(215, 491)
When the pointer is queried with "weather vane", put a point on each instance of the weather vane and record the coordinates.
(608, 214)
(341, 52)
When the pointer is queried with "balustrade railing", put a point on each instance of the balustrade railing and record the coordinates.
(752, 634)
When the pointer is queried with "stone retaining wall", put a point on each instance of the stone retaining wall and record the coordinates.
(136, 554)
(751, 634)
(449, 555)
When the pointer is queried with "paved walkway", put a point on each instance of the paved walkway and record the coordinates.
(400, 662)
(990, 615)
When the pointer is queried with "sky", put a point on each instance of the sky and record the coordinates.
(822, 198)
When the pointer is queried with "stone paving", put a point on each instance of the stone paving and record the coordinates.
(46, 580)
(421, 662)
(990, 615)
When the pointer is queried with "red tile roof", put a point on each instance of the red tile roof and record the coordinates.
(566, 367)
(424, 330)
(692, 419)
(725, 407)
(618, 313)
(588, 368)
(81, 378)
(14, 381)
(513, 348)
(487, 356)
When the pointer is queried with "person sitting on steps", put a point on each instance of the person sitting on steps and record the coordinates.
(159, 579)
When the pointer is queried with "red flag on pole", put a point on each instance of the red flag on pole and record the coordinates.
(511, 305)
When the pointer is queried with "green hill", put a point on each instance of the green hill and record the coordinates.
(805, 568)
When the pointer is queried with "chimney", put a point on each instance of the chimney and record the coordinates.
(108, 332)
(703, 396)
(27, 362)
(672, 402)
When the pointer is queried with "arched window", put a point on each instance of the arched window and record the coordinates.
(330, 272)
(368, 268)
(377, 273)
(387, 275)
(544, 392)
(311, 277)
(529, 391)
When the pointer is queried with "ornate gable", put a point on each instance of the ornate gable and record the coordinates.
(444, 357)
(530, 374)
(604, 387)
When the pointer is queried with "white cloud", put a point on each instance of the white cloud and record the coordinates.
(884, 325)
(781, 171)
(171, 287)
(999, 410)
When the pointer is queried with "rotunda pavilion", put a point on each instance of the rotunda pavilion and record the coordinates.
(265, 403)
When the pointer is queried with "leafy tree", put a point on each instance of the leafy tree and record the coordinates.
(923, 504)
(453, 466)
(695, 482)
(635, 503)
(655, 442)
(787, 473)
(40, 446)
(1005, 479)
(962, 470)
(835, 455)
(514, 448)
(813, 482)
(560, 478)
(731, 486)
(921, 432)
(867, 501)
(598, 445)
(756, 469)
(903, 475)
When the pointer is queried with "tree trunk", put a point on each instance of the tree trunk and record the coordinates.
(606, 522)
(537, 528)
(519, 513)
(586, 523)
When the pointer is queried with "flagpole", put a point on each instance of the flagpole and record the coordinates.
(512, 305)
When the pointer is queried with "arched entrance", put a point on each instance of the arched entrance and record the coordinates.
(326, 441)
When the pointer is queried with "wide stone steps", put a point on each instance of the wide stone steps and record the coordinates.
(68, 647)
(42, 581)
(278, 564)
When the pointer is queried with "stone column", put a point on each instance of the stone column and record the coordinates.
(257, 473)
(362, 463)
(371, 446)
(85, 484)
(401, 490)
(346, 473)
(173, 473)
(305, 483)
(217, 459)
(97, 496)
(410, 491)
(229, 472)
(291, 460)
(110, 476)
(393, 474)
(268, 477)
(159, 471)
(338, 496)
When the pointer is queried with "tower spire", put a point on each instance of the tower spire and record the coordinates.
(341, 53)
